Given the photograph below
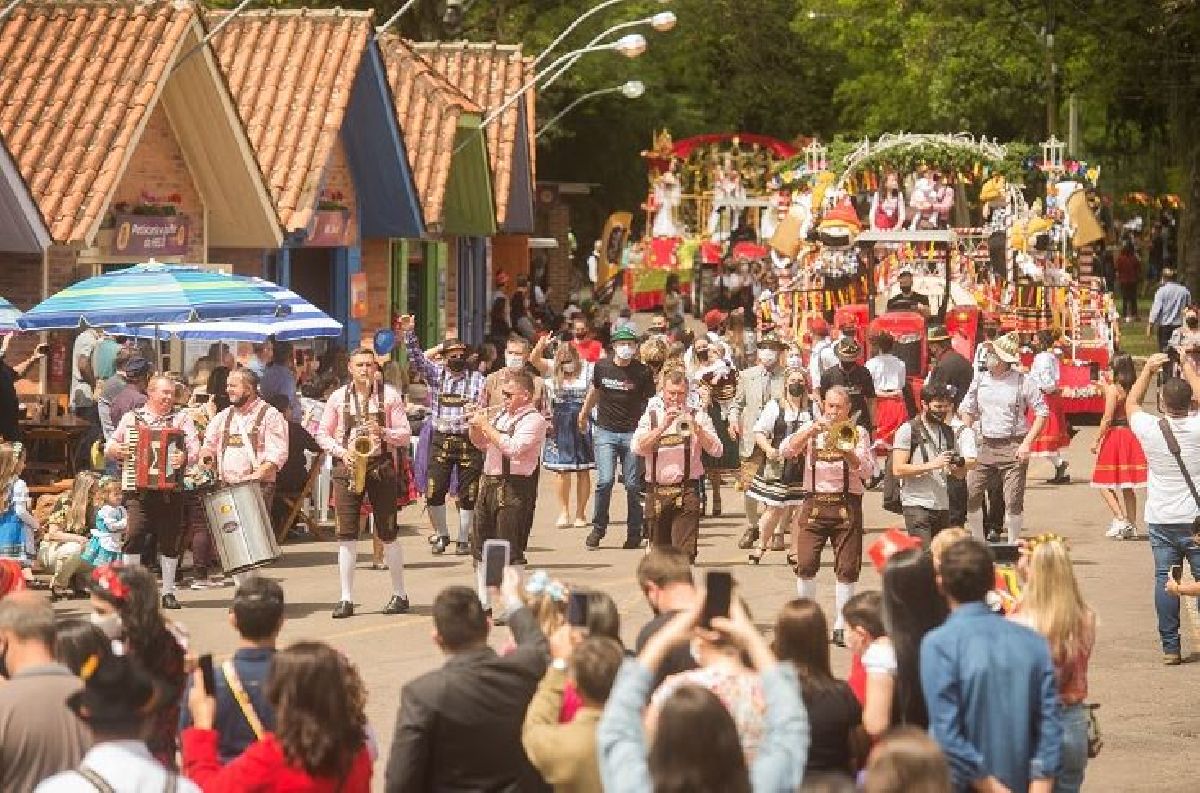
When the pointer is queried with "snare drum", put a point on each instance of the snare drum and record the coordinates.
(241, 527)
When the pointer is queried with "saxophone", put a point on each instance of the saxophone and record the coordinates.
(363, 447)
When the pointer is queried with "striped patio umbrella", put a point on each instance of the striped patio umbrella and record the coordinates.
(9, 314)
(303, 321)
(151, 294)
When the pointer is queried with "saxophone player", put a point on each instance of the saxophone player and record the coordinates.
(837, 463)
(365, 419)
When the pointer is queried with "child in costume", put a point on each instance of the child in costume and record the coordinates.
(17, 524)
(112, 521)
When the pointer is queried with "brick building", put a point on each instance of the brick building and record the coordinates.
(121, 127)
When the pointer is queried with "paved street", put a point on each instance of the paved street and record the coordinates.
(1148, 712)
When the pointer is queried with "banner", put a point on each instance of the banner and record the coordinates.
(329, 229)
(612, 244)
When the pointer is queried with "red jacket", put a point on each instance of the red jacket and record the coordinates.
(262, 767)
(1129, 269)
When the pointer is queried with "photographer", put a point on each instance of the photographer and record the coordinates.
(928, 451)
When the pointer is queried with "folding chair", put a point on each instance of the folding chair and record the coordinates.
(294, 502)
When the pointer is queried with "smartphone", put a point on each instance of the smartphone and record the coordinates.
(1005, 552)
(718, 589)
(1177, 572)
(495, 559)
(208, 675)
(577, 609)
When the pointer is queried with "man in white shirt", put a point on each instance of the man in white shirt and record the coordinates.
(1171, 506)
(822, 356)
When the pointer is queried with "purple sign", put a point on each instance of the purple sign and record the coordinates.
(151, 235)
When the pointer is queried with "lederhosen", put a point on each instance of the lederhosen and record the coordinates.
(453, 452)
(158, 512)
(381, 484)
(833, 517)
(505, 507)
(673, 511)
(235, 440)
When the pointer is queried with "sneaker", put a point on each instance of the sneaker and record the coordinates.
(439, 545)
(462, 549)
(593, 539)
(1115, 529)
(1172, 659)
(1128, 531)
(169, 601)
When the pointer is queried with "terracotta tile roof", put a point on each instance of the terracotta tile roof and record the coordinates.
(77, 83)
(488, 73)
(291, 74)
(428, 107)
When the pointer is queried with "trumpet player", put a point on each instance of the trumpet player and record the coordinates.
(363, 422)
(247, 441)
(511, 440)
(670, 440)
(838, 461)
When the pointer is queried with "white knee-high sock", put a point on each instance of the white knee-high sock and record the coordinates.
(464, 524)
(130, 559)
(437, 517)
(1014, 524)
(806, 588)
(393, 554)
(347, 557)
(975, 524)
(841, 594)
(169, 568)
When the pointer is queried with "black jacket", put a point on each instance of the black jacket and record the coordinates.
(459, 727)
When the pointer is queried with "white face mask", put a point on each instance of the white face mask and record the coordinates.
(768, 357)
(514, 361)
(795, 361)
(568, 367)
(109, 624)
(624, 351)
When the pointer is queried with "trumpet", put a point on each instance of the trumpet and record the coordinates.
(842, 436)
(363, 446)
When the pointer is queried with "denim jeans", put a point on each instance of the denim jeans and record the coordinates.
(1170, 543)
(1073, 759)
(610, 447)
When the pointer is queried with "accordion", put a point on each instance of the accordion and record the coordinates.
(147, 464)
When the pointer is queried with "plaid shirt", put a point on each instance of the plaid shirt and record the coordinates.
(449, 393)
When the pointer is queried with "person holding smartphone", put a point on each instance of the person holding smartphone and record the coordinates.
(10, 403)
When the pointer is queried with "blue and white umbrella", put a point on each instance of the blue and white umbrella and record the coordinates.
(303, 320)
(9, 314)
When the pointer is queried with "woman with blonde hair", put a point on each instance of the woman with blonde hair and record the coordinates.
(568, 451)
(1052, 605)
(67, 532)
(17, 524)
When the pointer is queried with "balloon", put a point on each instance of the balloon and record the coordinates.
(385, 341)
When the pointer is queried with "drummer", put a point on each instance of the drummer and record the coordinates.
(158, 512)
(366, 406)
(247, 441)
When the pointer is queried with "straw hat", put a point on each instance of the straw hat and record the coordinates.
(1007, 348)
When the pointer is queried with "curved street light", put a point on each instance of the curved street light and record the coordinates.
(579, 21)
(663, 22)
(633, 89)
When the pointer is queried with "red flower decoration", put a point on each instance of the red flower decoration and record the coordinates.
(107, 579)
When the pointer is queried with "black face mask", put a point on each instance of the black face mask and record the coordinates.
(940, 418)
(796, 389)
(1193, 323)
(456, 364)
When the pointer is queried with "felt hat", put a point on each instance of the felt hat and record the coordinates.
(847, 349)
(1007, 348)
(624, 333)
(937, 333)
(453, 344)
(773, 341)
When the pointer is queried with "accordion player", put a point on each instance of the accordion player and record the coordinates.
(147, 460)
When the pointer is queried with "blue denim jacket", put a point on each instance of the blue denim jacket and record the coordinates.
(992, 697)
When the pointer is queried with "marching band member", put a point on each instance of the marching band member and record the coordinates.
(247, 441)
(512, 446)
(454, 390)
(1055, 436)
(159, 512)
(834, 477)
(365, 407)
(670, 440)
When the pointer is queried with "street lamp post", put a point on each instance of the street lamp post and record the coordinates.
(633, 89)
(571, 27)
(662, 22)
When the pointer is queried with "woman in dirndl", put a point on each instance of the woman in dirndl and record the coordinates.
(779, 485)
(567, 451)
(888, 375)
(1120, 462)
(1055, 435)
(716, 383)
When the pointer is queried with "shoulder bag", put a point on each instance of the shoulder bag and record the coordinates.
(1173, 448)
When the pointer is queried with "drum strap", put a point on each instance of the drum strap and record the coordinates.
(248, 441)
(242, 698)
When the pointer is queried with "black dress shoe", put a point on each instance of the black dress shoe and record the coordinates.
(397, 605)
(170, 602)
(632, 543)
(748, 540)
(343, 609)
(839, 637)
(593, 539)
(439, 545)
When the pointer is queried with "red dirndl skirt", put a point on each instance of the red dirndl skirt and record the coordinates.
(1121, 463)
(890, 414)
(1054, 435)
